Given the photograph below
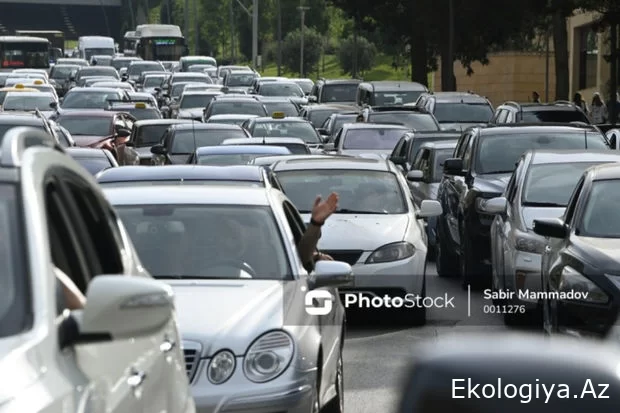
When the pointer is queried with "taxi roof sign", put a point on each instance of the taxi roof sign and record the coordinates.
(38, 82)
(19, 86)
(278, 115)
(140, 105)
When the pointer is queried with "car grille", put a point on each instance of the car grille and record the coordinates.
(349, 256)
(191, 351)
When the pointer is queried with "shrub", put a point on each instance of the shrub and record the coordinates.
(291, 50)
(366, 54)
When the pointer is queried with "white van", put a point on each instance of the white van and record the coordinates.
(89, 46)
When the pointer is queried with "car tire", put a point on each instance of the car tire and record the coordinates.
(444, 261)
(466, 262)
(336, 405)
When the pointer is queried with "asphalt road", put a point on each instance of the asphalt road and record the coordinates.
(376, 355)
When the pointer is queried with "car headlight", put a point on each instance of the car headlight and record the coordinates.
(268, 357)
(572, 281)
(391, 252)
(526, 242)
(221, 367)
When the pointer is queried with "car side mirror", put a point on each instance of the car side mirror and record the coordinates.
(429, 208)
(398, 160)
(312, 99)
(54, 105)
(158, 149)
(322, 131)
(551, 227)
(330, 274)
(124, 77)
(122, 133)
(493, 206)
(157, 89)
(144, 304)
(453, 166)
(612, 136)
(415, 176)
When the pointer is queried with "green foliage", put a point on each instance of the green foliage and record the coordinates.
(291, 50)
(366, 54)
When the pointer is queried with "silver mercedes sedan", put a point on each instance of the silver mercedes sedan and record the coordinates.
(540, 187)
(259, 334)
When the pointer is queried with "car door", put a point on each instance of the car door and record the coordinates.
(501, 232)
(454, 189)
(421, 163)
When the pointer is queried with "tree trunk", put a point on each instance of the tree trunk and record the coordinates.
(560, 47)
(418, 55)
(447, 71)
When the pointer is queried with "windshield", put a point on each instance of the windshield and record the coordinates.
(396, 98)
(104, 71)
(31, 55)
(195, 101)
(186, 141)
(14, 294)
(601, 218)
(187, 63)
(144, 114)
(237, 108)
(82, 125)
(136, 69)
(419, 122)
(93, 51)
(365, 192)
(552, 184)
(294, 148)
(62, 72)
(340, 121)
(150, 135)
(153, 81)
(559, 116)
(382, 139)
(27, 103)
(211, 241)
(103, 60)
(280, 89)
(318, 117)
(229, 159)
(240, 79)
(463, 112)
(193, 79)
(305, 85)
(88, 100)
(417, 142)
(4, 128)
(288, 108)
(499, 153)
(301, 130)
(94, 165)
(339, 93)
(440, 158)
(118, 64)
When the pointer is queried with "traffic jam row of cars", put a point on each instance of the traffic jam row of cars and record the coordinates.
(420, 176)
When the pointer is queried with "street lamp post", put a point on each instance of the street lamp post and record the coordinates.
(279, 38)
(302, 10)
(255, 33)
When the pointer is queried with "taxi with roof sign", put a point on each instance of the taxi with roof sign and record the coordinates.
(279, 125)
(139, 109)
(17, 88)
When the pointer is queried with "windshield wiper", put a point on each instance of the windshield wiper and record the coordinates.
(544, 204)
(354, 211)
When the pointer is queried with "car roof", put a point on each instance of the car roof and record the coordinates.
(341, 81)
(182, 172)
(548, 156)
(245, 149)
(240, 99)
(205, 126)
(174, 194)
(232, 116)
(447, 134)
(461, 98)
(86, 152)
(366, 125)
(440, 145)
(267, 160)
(328, 106)
(277, 99)
(190, 74)
(266, 119)
(94, 89)
(393, 85)
(264, 141)
(542, 128)
(152, 122)
(88, 113)
(20, 90)
(354, 163)
(605, 171)
(212, 92)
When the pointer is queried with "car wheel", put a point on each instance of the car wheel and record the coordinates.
(444, 261)
(466, 263)
(336, 405)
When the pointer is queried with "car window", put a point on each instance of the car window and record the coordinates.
(559, 116)
(87, 126)
(552, 184)
(88, 100)
(382, 139)
(601, 217)
(438, 161)
(186, 141)
(572, 203)
(149, 135)
(302, 130)
(237, 108)
(288, 108)
(501, 116)
(463, 112)
(416, 121)
(338, 93)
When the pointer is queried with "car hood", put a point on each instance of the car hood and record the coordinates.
(532, 213)
(604, 253)
(355, 152)
(492, 183)
(361, 232)
(24, 368)
(87, 140)
(233, 313)
(191, 113)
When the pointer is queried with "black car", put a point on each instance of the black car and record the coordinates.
(407, 147)
(334, 122)
(483, 162)
(581, 263)
(559, 111)
(457, 110)
(334, 91)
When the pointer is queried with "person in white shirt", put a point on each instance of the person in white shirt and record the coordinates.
(598, 110)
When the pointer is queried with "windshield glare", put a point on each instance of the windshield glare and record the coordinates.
(289, 109)
(280, 89)
(27, 103)
(339, 93)
(237, 108)
(396, 98)
(240, 79)
(382, 139)
(301, 130)
(369, 192)
(97, 71)
(88, 100)
(417, 121)
(221, 241)
(86, 126)
(186, 141)
(552, 184)
(195, 101)
(14, 300)
(229, 159)
(499, 153)
(463, 112)
(601, 218)
(153, 81)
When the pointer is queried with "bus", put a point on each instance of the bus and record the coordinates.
(163, 42)
(56, 37)
(130, 41)
(24, 52)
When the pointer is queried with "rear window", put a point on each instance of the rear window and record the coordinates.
(559, 116)
(368, 139)
(237, 108)
(288, 108)
(417, 121)
(150, 135)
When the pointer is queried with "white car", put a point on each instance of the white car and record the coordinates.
(377, 228)
(229, 253)
(121, 352)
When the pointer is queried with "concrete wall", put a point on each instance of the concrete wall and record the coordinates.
(508, 76)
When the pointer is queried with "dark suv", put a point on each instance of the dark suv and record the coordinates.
(334, 91)
(483, 161)
(558, 112)
(457, 110)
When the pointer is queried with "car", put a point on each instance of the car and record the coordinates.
(193, 104)
(239, 79)
(59, 77)
(19, 88)
(413, 118)
(579, 264)
(333, 123)
(280, 104)
(234, 155)
(540, 187)
(233, 175)
(317, 114)
(230, 119)
(282, 88)
(80, 98)
(152, 82)
(457, 110)
(85, 72)
(180, 141)
(305, 84)
(263, 79)
(71, 61)
(135, 149)
(408, 146)
(554, 112)
(137, 67)
(295, 145)
(222, 105)
(97, 129)
(485, 158)
(52, 216)
(9, 120)
(178, 77)
(373, 194)
(424, 178)
(119, 62)
(29, 102)
(140, 110)
(388, 93)
(142, 97)
(279, 125)
(358, 138)
(93, 160)
(235, 256)
(334, 91)
(90, 81)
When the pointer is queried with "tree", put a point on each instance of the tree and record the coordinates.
(366, 54)
(291, 50)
